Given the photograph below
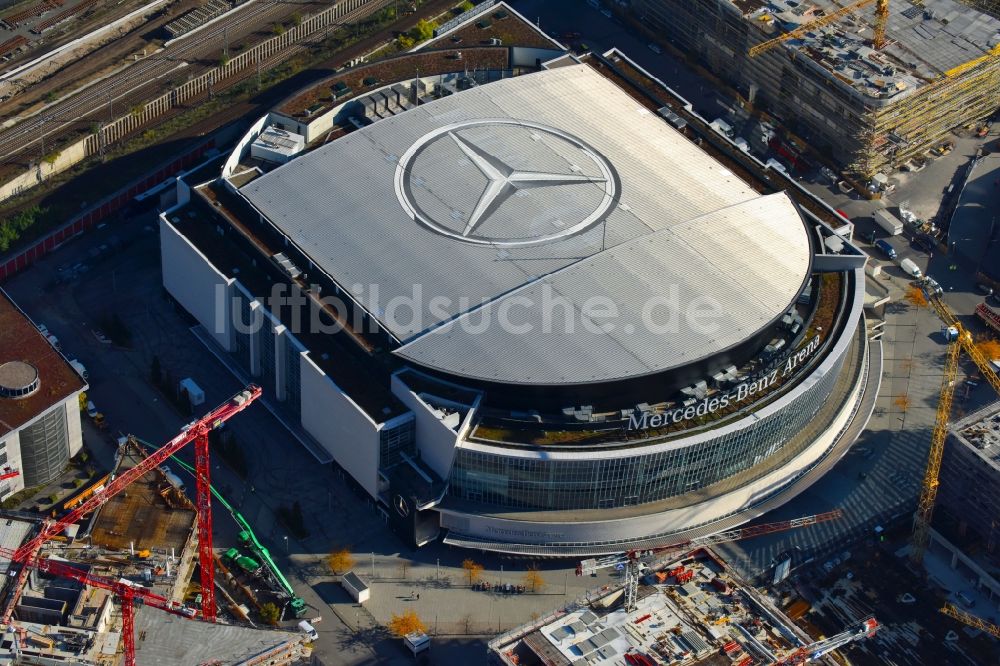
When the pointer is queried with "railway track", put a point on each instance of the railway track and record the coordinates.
(77, 110)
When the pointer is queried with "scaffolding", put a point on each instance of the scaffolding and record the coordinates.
(876, 120)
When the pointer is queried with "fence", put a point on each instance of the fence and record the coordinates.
(257, 56)
(103, 209)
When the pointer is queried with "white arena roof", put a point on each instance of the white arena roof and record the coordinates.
(552, 185)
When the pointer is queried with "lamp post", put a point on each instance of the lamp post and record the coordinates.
(286, 544)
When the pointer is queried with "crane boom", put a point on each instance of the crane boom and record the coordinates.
(928, 492)
(201, 427)
(815, 24)
(866, 629)
(128, 594)
(967, 618)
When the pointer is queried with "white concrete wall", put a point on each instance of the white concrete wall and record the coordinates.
(435, 441)
(339, 425)
(195, 283)
(74, 430)
(12, 443)
(67, 157)
(233, 161)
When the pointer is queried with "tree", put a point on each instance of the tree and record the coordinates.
(340, 560)
(137, 110)
(989, 348)
(278, 29)
(533, 578)
(903, 402)
(465, 6)
(473, 569)
(407, 623)
(297, 19)
(405, 41)
(270, 613)
(915, 296)
(423, 30)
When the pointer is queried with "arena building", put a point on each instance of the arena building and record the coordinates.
(522, 309)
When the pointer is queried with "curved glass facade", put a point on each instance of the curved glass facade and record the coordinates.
(45, 448)
(633, 478)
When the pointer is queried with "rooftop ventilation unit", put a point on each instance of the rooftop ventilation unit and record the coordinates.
(286, 266)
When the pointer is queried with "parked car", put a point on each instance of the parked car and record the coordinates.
(91, 409)
(984, 289)
(886, 248)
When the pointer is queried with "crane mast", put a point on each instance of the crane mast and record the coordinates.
(928, 492)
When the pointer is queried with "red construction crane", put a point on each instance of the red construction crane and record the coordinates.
(865, 629)
(197, 432)
(630, 560)
(128, 593)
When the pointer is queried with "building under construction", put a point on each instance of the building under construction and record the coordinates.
(870, 84)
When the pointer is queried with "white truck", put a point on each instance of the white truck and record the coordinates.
(723, 128)
(194, 392)
(911, 269)
(891, 224)
(80, 369)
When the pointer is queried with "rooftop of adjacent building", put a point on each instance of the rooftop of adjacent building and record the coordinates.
(169, 639)
(926, 41)
(981, 433)
(25, 351)
(12, 534)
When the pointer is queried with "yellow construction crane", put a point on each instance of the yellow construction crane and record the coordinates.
(928, 494)
(881, 15)
(971, 620)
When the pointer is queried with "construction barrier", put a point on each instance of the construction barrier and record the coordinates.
(110, 204)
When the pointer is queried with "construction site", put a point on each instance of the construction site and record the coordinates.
(694, 610)
(871, 85)
(127, 574)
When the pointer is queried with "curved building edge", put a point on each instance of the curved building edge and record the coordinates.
(612, 535)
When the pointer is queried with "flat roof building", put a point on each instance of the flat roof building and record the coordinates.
(39, 403)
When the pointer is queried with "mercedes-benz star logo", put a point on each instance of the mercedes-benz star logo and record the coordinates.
(504, 181)
(402, 508)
